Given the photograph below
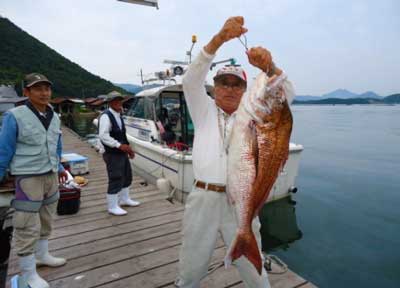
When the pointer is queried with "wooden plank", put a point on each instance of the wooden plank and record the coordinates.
(161, 206)
(116, 241)
(93, 248)
(288, 279)
(112, 221)
(144, 271)
(99, 233)
(109, 258)
(121, 269)
(165, 275)
(102, 233)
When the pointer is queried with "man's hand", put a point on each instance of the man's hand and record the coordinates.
(127, 149)
(232, 28)
(131, 154)
(262, 59)
(62, 176)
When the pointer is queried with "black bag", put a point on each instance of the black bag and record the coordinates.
(69, 202)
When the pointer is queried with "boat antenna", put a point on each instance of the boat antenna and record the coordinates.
(141, 76)
(189, 53)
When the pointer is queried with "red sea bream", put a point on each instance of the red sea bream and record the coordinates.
(258, 148)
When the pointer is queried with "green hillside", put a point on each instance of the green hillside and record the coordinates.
(20, 53)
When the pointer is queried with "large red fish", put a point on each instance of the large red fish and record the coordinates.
(258, 150)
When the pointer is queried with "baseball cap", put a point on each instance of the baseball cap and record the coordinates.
(231, 70)
(34, 78)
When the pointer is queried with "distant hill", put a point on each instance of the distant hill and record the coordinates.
(20, 53)
(334, 101)
(130, 87)
(392, 99)
(339, 94)
(307, 98)
(370, 94)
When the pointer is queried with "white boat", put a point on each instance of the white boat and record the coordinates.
(156, 160)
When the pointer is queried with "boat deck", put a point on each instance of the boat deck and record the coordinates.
(137, 250)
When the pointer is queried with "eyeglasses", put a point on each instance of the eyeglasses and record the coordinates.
(237, 87)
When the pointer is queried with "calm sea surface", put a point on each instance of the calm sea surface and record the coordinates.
(349, 196)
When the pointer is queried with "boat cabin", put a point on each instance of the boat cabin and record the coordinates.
(160, 115)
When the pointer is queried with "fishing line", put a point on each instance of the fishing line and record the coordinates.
(244, 43)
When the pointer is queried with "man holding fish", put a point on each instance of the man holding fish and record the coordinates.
(241, 143)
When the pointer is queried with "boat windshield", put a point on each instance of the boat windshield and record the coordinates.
(172, 112)
(170, 109)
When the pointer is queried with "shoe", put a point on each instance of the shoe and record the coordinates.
(29, 276)
(113, 207)
(43, 257)
(125, 200)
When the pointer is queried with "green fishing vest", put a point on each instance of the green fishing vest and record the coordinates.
(36, 150)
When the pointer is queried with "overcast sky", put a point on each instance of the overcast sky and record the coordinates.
(323, 45)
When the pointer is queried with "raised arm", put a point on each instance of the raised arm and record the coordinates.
(193, 86)
(195, 76)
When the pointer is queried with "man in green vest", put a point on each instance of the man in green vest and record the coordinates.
(30, 146)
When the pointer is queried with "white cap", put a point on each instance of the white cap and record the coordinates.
(232, 70)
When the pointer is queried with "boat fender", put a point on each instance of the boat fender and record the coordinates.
(164, 185)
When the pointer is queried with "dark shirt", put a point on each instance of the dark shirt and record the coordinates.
(45, 120)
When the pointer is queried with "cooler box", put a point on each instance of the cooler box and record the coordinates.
(78, 164)
(69, 202)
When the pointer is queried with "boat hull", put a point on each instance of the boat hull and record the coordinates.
(153, 161)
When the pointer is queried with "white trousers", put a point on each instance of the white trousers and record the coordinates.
(206, 213)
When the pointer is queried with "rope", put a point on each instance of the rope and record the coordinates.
(275, 259)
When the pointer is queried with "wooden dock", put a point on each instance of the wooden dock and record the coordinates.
(137, 250)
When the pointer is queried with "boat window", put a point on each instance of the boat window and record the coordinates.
(141, 108)
(172, 112)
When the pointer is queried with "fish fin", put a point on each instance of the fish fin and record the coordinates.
(244, 244)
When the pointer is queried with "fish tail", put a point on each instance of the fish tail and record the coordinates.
(244, 244)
